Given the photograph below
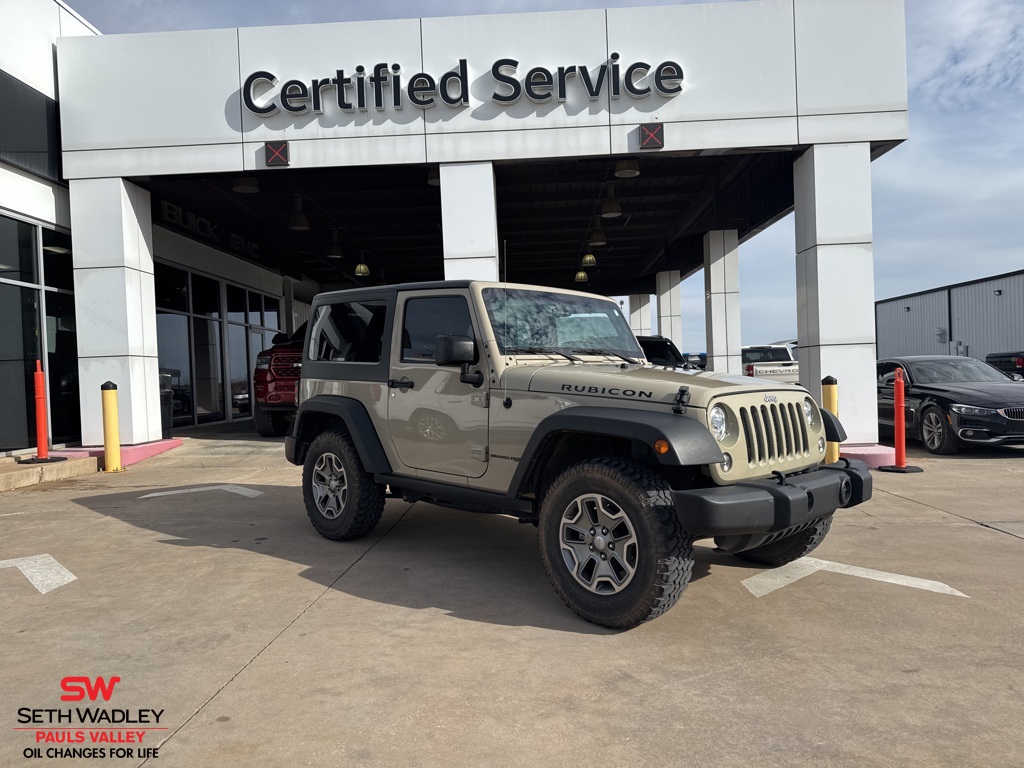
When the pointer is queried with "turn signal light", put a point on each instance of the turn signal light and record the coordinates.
(661, 446)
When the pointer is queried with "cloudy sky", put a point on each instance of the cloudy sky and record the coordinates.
(947, 202)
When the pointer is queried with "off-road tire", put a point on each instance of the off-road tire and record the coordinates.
(363, 500)
(936, 433)
(270, 423)
(791, 547)
(664, 551)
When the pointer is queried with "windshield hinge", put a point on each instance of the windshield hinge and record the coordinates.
(681, 401)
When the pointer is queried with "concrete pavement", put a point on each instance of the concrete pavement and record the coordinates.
(437, 640)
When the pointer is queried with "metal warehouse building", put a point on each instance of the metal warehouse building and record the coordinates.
(193, 190)
(974, 318)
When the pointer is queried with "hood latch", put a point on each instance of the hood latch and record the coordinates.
(682, 400)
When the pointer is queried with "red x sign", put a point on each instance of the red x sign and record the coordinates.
(275, 153)
(652, 136)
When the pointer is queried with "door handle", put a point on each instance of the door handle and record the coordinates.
(400, 384)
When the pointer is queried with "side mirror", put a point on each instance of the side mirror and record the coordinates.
(454, 350)
(889, 380)
(279, 338)
(1016, 377)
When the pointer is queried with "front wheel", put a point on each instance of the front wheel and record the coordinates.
(342, 500)
(612, 543)
(936, 433)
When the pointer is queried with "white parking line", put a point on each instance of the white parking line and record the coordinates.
(769, 581)
(45, 573)
(240, 490)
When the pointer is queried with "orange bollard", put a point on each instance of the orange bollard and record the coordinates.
(42, 440)
(899, 419)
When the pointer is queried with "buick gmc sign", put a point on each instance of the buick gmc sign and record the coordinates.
(384, 86)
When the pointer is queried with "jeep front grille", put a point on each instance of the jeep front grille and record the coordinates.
(774, 433)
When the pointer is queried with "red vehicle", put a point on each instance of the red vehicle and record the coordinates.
(276, 380)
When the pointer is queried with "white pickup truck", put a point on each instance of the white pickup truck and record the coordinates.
(771, 361)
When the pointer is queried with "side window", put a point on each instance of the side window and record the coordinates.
(350, 332)
(885, 373)
(426, 319)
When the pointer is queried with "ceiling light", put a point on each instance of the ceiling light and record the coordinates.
(581, 276)
(334, 252)
(362, 270)
(298, 220)
(246, 185)
(589, 260)
(597, 237)
(56, 249)
(627, 169)
(611, 208)
(434, 177)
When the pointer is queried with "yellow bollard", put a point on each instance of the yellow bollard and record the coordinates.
(111, 435)
(830, 402)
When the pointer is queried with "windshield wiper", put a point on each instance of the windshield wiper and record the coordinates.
(596, 351)
(541, 351)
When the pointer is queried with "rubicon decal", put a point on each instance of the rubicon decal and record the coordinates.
(610, 391)
(384, 87)
(82, 730)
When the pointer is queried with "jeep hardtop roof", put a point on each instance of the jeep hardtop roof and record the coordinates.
(434, 285)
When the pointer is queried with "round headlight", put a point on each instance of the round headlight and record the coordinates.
(808, 410)
(716, 420)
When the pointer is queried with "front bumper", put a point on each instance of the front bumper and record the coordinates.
(765, 506)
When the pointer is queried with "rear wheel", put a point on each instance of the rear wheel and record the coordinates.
(790, 548)
(342, 500)
(612, 543)
(936, 433)
(270, 423)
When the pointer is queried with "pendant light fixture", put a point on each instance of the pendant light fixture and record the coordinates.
(298, 220)
(361, 269)
(434, 176)
(627, 169)
(611, 208)
(597, 236)
(334, 252)
(581, 277)
(589, 260)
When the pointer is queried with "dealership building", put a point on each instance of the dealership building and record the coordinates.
(170, 201)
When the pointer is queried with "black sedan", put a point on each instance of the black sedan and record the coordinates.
(953, 401)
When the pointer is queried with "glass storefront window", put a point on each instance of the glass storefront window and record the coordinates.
(62, 365)
(57, 269)
(236, 304)
(271, 312)
(205, 296)
(175, 364)
(17, 251)
(171, 285)
(239, 370)
(255, 315)
(19, 349)
(209, 378)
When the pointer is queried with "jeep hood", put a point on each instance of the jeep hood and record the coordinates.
(648, 384)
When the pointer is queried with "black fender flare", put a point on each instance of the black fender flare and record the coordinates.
(689, 442)
(358, 423)
(834, 431)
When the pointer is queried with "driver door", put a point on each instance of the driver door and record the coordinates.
(437, 423)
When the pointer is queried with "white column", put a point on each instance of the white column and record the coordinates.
(640, 314)
(835, 280)
(670, 320)
(115, 306)
(469, 221)
(722, 300)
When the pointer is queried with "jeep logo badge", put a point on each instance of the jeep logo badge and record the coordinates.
(771, 399)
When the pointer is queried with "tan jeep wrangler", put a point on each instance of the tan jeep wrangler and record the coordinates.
(538, 403)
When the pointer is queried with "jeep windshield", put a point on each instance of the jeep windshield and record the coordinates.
(544, 322)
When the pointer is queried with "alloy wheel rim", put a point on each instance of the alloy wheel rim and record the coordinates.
(330, 486)
(598, 544)
(932, 430)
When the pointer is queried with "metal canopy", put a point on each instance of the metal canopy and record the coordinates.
(391, 217)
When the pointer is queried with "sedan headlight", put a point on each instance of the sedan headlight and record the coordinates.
(971, 410)
(717, 422)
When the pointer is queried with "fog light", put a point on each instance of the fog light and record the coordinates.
(821, 445)
(969, 433)
(727, 462)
